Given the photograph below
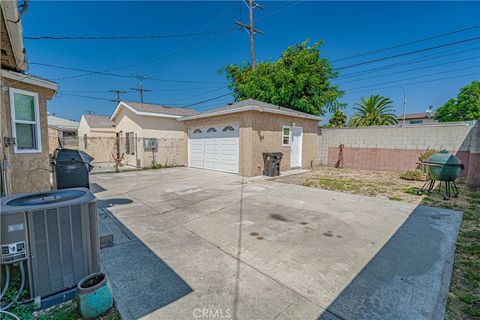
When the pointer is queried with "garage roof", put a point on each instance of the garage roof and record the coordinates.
(95, 121)
(156, 110)
(251, 105)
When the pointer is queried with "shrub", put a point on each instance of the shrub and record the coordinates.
(413, 174)
(156, 165)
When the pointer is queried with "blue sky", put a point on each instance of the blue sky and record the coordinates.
(348, 28)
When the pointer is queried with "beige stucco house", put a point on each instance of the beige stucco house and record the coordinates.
(233, 138)
(25, 165)
(96, 136)
(151, 133)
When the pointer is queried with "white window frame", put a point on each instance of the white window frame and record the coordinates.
(36, 107)
(289, 135)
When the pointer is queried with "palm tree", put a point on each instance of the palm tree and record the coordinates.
(338, 119)
(374, 111)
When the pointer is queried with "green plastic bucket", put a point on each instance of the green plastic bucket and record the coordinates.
(94, 295)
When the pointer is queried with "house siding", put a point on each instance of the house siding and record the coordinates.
(27, 172)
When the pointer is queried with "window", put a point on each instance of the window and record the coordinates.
(129, 143)
(212, 130)
(197, 131)
(25, 121)
(286, 136)
(416, 121)
(149, 144)
(228, 128)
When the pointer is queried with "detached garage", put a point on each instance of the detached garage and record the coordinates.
(233, 138)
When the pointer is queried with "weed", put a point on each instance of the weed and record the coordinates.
(156, 165)
(395, 198)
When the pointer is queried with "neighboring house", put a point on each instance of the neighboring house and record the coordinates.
(417, 118)
(23, 112)
(233, 138)
(96, 136)
(151, 133)
(61, 133)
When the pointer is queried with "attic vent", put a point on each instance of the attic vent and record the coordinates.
(212, 130)
(228, 128)
(197, 131)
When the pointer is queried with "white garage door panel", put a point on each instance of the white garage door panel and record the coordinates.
(215, 150)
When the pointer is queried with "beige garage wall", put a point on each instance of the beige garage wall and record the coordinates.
(267, 137)
(262, 132)
(244, 120)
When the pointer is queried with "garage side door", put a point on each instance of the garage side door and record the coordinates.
(214, 148)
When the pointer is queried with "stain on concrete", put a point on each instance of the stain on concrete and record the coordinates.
(277, 216)
(260, 238)
(328, 234)
(254, 234)
(304, 223)
(339, 236)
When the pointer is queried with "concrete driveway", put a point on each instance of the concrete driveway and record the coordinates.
(198, 244)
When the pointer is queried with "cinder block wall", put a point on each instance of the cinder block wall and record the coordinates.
(397, 148)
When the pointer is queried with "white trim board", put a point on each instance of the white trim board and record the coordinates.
(141, 113)
(249, 108)
(26, 78)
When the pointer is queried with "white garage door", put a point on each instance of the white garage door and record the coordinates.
(215, 148)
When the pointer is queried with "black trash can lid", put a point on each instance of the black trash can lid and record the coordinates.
(273, 154)
(70, 154)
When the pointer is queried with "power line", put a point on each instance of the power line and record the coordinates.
(207, 100)
(87, 97)
(409, 70)
(117, 74)
(406, 44)
(416, 83)
(417, 77)
(279, 10)
(406, 62)
(158, 36)
(407, 53)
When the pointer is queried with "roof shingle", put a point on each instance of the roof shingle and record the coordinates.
(156, 108)
(95, 121)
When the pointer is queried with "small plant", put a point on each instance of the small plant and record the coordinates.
(413, 174)
(424, 157)
(156, 165)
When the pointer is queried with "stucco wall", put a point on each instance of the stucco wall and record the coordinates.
(267, 137)
(262, 132)
(100, 142)
(168, 132)
(398, 147)
(28, 172)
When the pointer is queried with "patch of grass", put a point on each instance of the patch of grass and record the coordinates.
(395, 198)
(413, 174)
(411, 190)
(69, 311)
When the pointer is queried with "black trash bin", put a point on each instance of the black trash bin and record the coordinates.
(72, 168)
(271, 162)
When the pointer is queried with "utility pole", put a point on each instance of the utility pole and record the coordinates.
(404, 103)
(140, 88)
(117, 94)
(249, 28)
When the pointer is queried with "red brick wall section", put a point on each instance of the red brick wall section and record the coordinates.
(473, 174)
(396, 159)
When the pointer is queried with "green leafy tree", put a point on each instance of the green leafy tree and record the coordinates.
(465, 107)
(374, 111)
(338, 119)
(299, 80)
